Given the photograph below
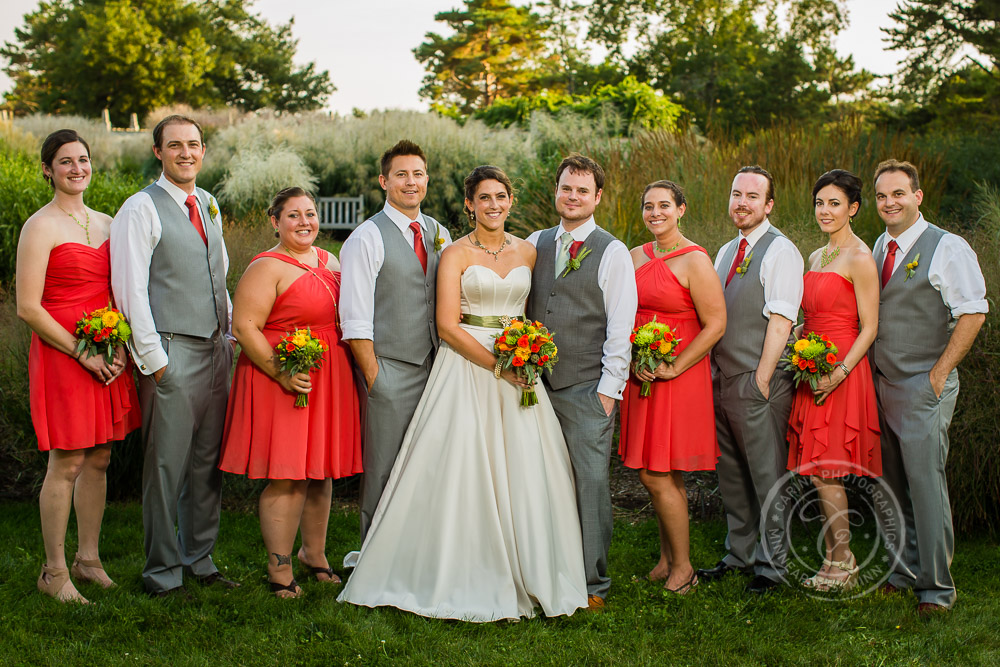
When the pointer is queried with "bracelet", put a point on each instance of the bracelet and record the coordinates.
(498, 368)
(843, 367)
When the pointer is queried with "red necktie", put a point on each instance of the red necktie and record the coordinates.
(737, 260)
(192, 203)
(890, 260)
(418, 245)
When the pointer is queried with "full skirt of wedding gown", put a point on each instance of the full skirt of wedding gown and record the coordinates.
(478, 520)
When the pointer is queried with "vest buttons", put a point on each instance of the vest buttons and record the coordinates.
(552, 294)
(548, 312)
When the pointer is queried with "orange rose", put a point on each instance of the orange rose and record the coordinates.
(522, 341)
(803, 364)
(831, 358)
(518, 361)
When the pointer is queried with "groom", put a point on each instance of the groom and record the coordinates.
(389, 270)
(583, 289)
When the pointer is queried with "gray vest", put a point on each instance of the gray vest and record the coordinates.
(187, 280)
(914, 325)
(572, 308)
(404, 297)
(739, 349)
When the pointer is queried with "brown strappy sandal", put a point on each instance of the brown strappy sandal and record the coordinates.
(58, 577)
(95, 563)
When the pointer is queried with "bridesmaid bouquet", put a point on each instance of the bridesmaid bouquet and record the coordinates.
(810, 357)
(526, 347)
(652, 343)
(101, 332)
(300, 352)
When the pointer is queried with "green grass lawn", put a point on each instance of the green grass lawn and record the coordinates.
(718, 624)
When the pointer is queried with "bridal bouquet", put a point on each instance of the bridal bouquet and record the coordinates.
(810, 357)
(526, 347)
(101, 332)
(300, 352)
(652, 343)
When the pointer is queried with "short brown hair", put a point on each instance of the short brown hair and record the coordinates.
(280, 199)
(675, 191)
(897, 165)
(581, 164)
(174, 119)
(757, 169)
(402, 147)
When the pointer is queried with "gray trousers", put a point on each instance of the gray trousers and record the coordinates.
(386, 411)
(588, 431)
(917, 531)
(753, 461)
(183, 418)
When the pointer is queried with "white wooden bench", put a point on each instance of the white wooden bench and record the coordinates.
(340, 212)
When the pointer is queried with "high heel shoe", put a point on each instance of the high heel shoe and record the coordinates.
(95, 564)
(58, 578)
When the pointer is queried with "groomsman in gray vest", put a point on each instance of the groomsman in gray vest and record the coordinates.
(761, 272)
(168, 273)
(583, 289)
(932, 306)
(387, 306)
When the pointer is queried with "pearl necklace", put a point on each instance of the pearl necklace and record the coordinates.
(84, 227)
(495, 253)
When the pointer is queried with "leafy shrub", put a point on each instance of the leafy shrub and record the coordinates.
(256, 174)
(121, 151)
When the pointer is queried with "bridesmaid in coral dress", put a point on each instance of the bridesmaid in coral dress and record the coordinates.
(300, 450)
(673, 430)
(80, 404)
(833, 431)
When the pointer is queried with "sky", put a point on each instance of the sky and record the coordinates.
(367, 47)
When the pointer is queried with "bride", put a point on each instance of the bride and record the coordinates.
(478, 521)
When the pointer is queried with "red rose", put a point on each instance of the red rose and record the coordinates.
(803, 364)
(668, 337)
(518, 361)
(543, 360)
(812, 365)
(98, 337)
(289, 347)
(824, 338)
(522, 341)
(655, 345)
(831, 358)
(829, 344)
(574, 248)
(106, 331)
(631, 338)
(536, 348)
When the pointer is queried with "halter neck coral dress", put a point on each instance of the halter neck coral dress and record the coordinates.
(70, 408)
(840, 437)
(266, 436)
(674, 427)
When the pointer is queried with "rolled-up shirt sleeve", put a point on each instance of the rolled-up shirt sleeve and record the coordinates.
(955, 272)
(781, 272)
(616, 276)
(135, 231)
(361, 260)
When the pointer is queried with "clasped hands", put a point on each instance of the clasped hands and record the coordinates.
(100, 368)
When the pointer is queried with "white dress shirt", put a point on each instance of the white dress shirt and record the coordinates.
(781, 270)
(954, 269)
(616, 278)
(361, 259)
(135, 232)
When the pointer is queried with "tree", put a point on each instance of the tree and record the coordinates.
(733, 66)
(495, 52)
(83, 56)
(939, 34)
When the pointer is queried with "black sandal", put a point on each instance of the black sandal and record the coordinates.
(291, 587)
(328, 571)
(684, 588)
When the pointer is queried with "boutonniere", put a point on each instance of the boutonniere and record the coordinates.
(911, 268)
(744, 265)
(213, 210)
(576, 255)
(438, 239)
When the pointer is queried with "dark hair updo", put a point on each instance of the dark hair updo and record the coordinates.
(675, 191)
(482, 173)
(844, 181)
(53, 143)
(280, 199)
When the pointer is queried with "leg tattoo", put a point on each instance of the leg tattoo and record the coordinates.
(283, 559)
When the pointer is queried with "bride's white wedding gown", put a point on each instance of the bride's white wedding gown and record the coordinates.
(478, 521)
